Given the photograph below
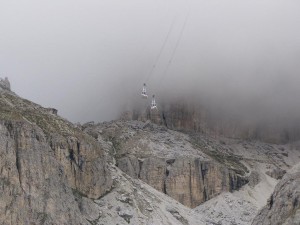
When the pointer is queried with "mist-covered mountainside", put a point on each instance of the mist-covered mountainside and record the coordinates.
(193, 105)
(245, 122)
(134, 172)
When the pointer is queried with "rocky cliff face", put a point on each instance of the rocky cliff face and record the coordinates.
(33, 187)
(284, 204)
(189, 181)
(188, 175)
(45, 163)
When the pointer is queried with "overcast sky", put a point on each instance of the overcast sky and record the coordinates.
(89, 58)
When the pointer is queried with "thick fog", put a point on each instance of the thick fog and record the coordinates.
(90, 58)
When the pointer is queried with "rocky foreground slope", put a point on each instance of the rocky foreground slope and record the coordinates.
(284, 204)
(121, 172)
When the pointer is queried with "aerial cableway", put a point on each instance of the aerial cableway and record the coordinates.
(161, 50)
(153, 103)
(144, 92)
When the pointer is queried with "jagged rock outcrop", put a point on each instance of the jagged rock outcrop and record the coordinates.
(4, 84)
(45, 162)
(283, 207)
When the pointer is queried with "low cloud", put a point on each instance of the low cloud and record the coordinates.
(89, 59)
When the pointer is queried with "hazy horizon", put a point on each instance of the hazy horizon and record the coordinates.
(89, 59)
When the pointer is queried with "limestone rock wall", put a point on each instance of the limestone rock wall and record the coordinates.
(84, 165)
(189, 181)
(33, 189)
(40, 175)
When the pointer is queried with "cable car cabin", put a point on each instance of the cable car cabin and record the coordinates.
(144, 92)
(153, 103)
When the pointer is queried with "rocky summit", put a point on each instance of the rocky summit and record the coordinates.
(138, 172)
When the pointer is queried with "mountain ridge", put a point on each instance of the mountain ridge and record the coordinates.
(55, 172)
